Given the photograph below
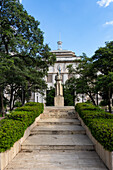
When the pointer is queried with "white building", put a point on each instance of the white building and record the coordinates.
(63, 59)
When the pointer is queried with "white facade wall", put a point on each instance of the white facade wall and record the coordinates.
(63, 58)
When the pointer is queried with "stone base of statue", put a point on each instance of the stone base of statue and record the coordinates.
(59, 101)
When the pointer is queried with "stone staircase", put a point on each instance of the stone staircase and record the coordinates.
(58, 142)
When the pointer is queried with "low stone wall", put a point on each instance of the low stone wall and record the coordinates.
(105, 155)
(7, 156)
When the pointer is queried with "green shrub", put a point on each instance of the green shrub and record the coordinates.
(25, 116)
(13, 126)
(26, 108)
(103, 103)
(87, 106)
(10, 132)
(50, 94)
(18, 104)
(99, 122)
(86, 115)
(35, 107)
(31, 104)
(102, 130)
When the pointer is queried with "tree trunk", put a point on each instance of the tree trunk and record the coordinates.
(2, 104)
(109, 105)
(11, 98)
(97, 98)
(92, 99)
(13, 102)
(82, 98)
(23, 96)
(110, 100)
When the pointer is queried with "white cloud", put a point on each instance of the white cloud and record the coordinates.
(104, 3)
(20, 1)
(109, 23)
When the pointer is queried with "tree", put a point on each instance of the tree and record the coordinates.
(103, 62)
(69, 97)
(105, 84)
(50, 94)
(5, 66)
(22, 45)
(83, 80)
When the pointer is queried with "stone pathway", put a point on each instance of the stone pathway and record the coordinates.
(58, 142)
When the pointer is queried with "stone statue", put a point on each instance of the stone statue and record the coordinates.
(59, 69)
(58, 99)
(59, 88)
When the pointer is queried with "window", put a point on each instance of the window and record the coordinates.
(49, 78)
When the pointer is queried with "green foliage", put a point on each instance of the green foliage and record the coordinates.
(67, 93)
(31, 104)
(102, 130)
(39, 105)
(13, 126)
(87, 106)
(10, 132)
(33, 109)
(95, 75)
(103, 62)
(99, 122)
(24, 116)
(103, 103)
(24, 58)
(103, 57)
(50, 97)
(68, 97)
(85, 82)
(18, 104)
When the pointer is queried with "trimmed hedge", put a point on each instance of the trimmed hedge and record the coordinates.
(32, 104)
(41, 105)
(12, 128)
(25, 116)
(10, 132)
(99, 122)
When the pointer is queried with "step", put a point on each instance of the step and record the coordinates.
(57, 160)
(56, 132)
(58, 129)
(58, 142)
(54, 108)
(56, 121)
(59, 112)
(58, 115)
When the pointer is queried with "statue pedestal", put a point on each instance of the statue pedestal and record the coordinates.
(59, 101)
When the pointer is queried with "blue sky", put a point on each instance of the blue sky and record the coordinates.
(84, 25)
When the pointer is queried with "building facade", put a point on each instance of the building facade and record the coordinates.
(63, 59)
